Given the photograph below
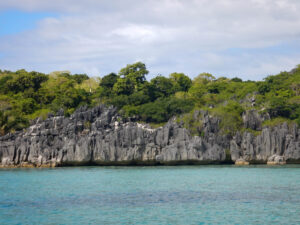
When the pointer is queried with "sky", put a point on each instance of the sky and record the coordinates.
(233, 38)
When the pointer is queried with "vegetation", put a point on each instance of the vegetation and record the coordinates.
(27, 95)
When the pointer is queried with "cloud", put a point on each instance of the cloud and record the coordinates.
(97, 37)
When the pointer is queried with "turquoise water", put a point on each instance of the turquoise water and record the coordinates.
(151, 195)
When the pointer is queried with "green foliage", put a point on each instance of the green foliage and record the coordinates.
(109, 80)
(24, 81)
(27, 95)
(279, 107)
(10, 122)
(157, 125)
(249, 130)
(181, 81)
(130, 110)
(87, 125)
(123, 86)
(163, 109)
(27, 106)
(107, 83)
(192, 123)
(42, 113)
(3, 81)
(154, 111)
(161, 87)
(135, 72)
(78, 78)
(236, 79)
(89, 85)
(230, 116)
(119, 101)
(263, 88)
(138, 98)
(131, 78)
(199, 88)
(276, 121)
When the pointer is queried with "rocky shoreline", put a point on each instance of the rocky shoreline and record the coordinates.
(99, 136)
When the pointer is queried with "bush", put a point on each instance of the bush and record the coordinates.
(25, 95)
(163, 109)
(280, 107)
(119, 101)
(24, 81)
(27, 106)
(230, 116)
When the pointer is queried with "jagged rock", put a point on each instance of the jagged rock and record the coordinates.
(60, 112)
(99, 136)
(281, 140)
(252, 120)
(276, 160)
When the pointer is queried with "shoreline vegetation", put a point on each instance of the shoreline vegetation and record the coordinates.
(207, 120)
(25, 96)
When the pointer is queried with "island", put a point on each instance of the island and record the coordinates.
(60, 119)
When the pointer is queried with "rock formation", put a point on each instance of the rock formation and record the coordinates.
(279, 143)
(99, 136)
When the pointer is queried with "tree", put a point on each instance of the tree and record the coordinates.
(164, 108)
(107, 83)
(136, 73)
(263, 88)
(123, 86)
(3, 81)
(279, 107)
(138, 98)
(161, 87)
(27, 106)
(118, 101)
(236, 79)
(79, 78)
(182, 82)
(25, 80)
(204, 78)
(199, 87)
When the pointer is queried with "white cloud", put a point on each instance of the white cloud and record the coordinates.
(168, 35)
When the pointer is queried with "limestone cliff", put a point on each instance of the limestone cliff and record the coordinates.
(274, 145)
(99, 136)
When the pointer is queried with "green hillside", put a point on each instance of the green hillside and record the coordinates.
(28, 95)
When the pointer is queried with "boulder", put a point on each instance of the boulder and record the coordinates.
(276, 160)
(241, 162)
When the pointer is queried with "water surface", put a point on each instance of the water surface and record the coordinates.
(151, 195)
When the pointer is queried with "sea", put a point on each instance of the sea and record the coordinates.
(211, 194)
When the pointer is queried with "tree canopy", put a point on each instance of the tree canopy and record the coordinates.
(27, 95)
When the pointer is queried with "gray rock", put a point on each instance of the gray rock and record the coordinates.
(281, 140)
(276, 160)
(99, 136)
(252, 120)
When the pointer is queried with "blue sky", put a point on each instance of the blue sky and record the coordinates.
(15, 21)
(249, 39)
